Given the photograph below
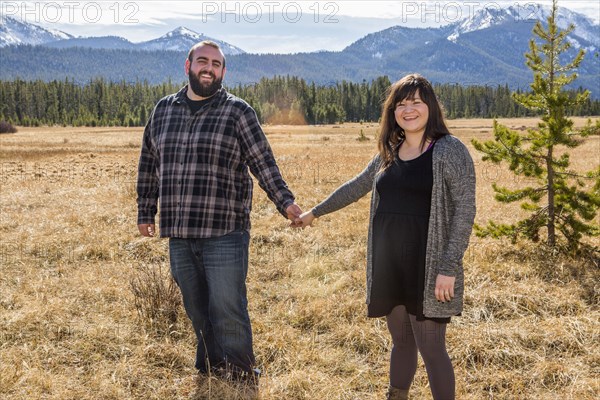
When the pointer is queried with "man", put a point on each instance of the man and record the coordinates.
(197, 148)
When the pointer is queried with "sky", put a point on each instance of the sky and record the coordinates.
(259, 26)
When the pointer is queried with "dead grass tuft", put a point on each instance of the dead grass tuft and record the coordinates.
(156, 298)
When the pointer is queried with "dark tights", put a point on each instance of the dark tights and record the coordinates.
(429, 338)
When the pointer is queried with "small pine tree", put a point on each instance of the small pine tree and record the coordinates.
(570, 207)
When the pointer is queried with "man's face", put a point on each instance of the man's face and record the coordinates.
(205, 71)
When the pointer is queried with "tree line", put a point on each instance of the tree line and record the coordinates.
(277, 100)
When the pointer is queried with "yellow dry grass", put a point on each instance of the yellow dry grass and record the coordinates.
(69, 328)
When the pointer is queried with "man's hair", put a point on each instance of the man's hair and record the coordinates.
(205, 43)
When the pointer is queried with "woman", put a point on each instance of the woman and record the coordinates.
(422, 212)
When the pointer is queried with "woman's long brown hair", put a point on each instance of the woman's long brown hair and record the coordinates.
(391, 135)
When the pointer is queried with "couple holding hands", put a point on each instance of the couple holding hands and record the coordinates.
(198, 148)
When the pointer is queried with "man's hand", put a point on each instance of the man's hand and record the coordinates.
(293, 213)
(147, 230)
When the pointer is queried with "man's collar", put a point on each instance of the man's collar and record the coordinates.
(218, 97)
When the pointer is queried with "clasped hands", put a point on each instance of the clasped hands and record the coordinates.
(298, 218)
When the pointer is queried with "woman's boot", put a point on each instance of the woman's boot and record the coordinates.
(397, 394)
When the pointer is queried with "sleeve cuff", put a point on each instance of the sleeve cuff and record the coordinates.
(447, 271)
(145, 219)
(285, 205)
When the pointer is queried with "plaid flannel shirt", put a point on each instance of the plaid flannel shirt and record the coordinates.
(197, 165)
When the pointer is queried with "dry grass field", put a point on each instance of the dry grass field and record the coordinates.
(73, 327)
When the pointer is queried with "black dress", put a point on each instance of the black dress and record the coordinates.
(400, 229)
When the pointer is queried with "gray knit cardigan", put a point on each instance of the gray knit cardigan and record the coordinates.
(450, 222)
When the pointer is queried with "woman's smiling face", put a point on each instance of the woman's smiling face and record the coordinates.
(412, 114)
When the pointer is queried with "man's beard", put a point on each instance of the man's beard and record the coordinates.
(204, 90)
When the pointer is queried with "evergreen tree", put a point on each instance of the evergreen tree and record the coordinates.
(569, 206)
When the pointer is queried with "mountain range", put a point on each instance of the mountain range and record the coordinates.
(14, 32)
(486, 48)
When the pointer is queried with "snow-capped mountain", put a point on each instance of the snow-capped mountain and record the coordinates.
(394, 39)
(490, 26)
(584, 26)
(492, 16)
(487, 48)
(182, 38)
(15, 32)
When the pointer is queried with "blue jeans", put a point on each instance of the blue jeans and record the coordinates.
(211, 274)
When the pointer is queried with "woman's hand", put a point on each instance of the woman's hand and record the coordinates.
(444, 288)
(306, 219)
